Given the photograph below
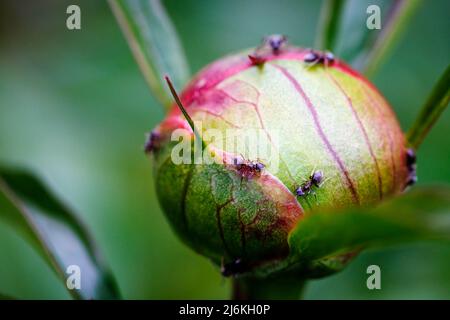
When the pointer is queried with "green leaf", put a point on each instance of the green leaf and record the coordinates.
(422, 214)
(393, 26)
(55, 232)
(329, 24)
(431, 110)
(154, 43)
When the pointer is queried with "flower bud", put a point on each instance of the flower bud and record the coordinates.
(309, 132)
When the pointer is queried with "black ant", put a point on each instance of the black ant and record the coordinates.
(315, 180)
(276, 42)
(233, 267)
(153, 142)
(247, 168)
(314, 57)
(411, 165)
(270, 44)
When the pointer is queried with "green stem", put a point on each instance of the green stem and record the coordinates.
(431, 110)
(329, 24)
(287, 286)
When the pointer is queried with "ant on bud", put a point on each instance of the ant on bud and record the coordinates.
(272, 44)
(247, 168)
(232, 268)
(315, 180)
(314, 57)
(276, 42)
(411, 165)
(153, 142)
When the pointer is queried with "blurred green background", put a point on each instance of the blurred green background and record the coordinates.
(74, 108)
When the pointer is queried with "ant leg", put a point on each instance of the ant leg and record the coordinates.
(315, 196)
(307, 202)
(313, 170)
(309, 205)
(325, 180)
(312, 64)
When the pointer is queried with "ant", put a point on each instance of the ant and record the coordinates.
(270, 44)
(233, 267)
(411, 166)
(276, 42)
(153, 142)
(315, 180)
(314, 57)
(248, 168)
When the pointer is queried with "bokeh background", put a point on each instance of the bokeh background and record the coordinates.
(74, 108)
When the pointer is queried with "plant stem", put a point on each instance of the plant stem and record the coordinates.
(285, 286)
(329, 24)
(431, 110)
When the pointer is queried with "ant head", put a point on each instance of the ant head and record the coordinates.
(317, 177)
(329, 56)
(276, 41)
(258, 166)
(410, 157)
(152, 142)
(238, 161)
(299, 192)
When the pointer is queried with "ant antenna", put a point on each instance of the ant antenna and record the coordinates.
(313, 170)
(325, 180)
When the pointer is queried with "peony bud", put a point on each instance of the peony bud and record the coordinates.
(333, 139)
